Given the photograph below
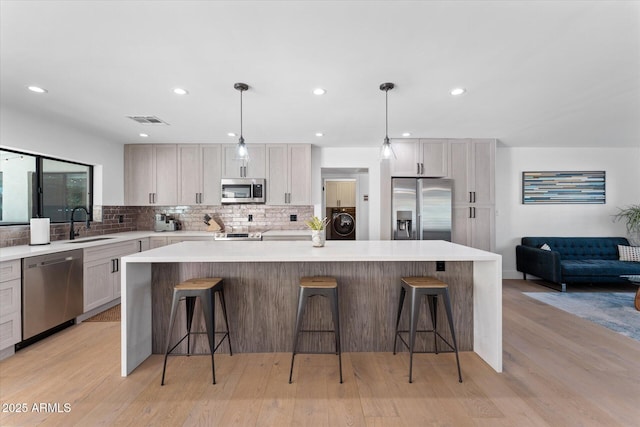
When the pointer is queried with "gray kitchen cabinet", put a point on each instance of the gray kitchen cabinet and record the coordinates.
(150, 174)
(288, 174)
(472, 168)
(233, 167)
(10, 306)
(340, 193)
(474, 226)
(420, 158)
(177, 239)
(157, 242)
(101, 271)
(199, 173)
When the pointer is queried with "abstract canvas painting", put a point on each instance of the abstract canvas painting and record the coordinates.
(553, 187)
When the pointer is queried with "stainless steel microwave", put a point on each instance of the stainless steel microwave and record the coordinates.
(243, 190)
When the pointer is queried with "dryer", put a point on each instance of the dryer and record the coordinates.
(342, 224)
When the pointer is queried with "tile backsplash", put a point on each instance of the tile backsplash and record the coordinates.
(116, 219)
(229, 217)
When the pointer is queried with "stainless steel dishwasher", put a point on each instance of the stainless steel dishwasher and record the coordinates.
(51, 291)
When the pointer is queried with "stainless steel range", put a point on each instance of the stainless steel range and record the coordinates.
(257, 236)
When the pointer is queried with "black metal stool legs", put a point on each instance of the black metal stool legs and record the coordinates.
(447, 306)
(172, 318)
(204, 289)
(336, 323)
(416, 291)
(302, 300)
(305, 294)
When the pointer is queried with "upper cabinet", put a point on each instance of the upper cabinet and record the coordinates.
(288, 174)
(233, 167)
(199, 173)
(340, 194)
(472, 169)
(150, 174)
(420, 157)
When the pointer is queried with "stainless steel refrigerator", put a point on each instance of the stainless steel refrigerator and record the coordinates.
(421, 208)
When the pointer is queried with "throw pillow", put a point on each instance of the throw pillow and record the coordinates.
(629, 253)
(545, 247)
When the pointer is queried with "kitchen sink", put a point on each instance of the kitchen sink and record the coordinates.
(95, 239)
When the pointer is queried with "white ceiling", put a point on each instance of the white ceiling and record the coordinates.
(538, 73)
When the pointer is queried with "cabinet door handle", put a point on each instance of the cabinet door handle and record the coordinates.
(140, 245)
(470, 197)
(474, 197)
(154, 197)
(113, 266)
(421, 168)
(150, 198)
(417, 168)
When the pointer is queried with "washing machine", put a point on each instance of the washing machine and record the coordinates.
(342, 224)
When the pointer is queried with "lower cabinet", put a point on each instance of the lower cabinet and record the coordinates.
(10, 304)
(474, 226)
(102, 271)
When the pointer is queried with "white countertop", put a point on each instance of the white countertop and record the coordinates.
(16, 252)
(279, 233)
(303, 251)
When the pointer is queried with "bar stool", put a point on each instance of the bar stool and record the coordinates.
(189, 290)
(310, 287)
(432, 288)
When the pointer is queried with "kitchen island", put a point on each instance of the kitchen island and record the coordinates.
(261, 288)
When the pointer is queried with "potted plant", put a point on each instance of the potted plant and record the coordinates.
(317, 226)
(631, 214)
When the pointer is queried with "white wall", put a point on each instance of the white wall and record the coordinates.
(515, 220)
(22, 132)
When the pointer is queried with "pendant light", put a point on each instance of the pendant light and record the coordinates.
(386, 151)
(241, 148)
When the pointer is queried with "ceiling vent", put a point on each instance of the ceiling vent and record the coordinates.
(148, 120)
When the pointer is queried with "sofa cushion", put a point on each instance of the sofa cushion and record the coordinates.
(598, 267)
(629, 253)
(580, 248)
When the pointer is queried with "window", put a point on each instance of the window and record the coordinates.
(37, 186)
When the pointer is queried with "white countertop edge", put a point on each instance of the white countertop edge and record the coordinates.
(303, 251)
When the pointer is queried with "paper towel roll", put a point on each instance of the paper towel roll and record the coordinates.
(39, 231)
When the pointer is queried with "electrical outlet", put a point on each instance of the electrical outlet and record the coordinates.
(120, 219)
(250, 217)
(439, 265)
(293, 218)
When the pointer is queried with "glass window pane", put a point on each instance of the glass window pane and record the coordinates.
(18, 185)
(64, 186)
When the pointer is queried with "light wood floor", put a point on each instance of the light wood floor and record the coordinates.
(559, 370)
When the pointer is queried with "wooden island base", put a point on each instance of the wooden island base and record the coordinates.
(261, 300)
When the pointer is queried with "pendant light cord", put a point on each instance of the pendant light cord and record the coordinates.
(241, 113)
(386, 114)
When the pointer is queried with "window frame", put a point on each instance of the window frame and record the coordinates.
(38, 197)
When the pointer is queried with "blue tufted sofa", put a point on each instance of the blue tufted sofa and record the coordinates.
(574, 260)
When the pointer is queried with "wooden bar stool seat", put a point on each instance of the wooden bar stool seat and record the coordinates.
(432, 288)
(310, 287)
(189, 290)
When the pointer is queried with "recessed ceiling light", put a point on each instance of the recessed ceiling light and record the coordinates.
(37, 89)
(180, 91)
(231, 134)
(319, 134)
(144, 135)
(406, 134)
(458, 91)
(319, 91)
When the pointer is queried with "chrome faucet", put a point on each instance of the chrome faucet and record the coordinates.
(72, 232)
